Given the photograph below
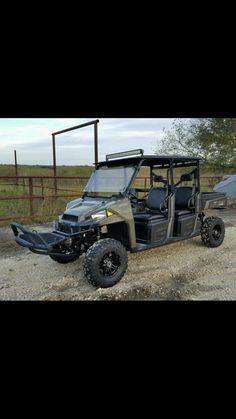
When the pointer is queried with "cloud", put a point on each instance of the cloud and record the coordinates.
(33, 141)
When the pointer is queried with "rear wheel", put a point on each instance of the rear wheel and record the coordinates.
(105, 263)
(64, 259)
(213, 232)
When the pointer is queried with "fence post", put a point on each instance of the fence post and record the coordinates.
(96, 143)
(42, 186)
(16, 167)
(31, 195)
(54, 162)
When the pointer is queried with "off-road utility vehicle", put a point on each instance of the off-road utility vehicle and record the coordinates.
(116, 215)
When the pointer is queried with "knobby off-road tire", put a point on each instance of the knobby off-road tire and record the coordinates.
(64, 260)
(105, 263)
(213, 232)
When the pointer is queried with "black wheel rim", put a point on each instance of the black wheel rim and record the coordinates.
(109, 264)
(217, 232)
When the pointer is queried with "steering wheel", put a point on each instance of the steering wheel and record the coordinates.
(133, 200)
(132, 196)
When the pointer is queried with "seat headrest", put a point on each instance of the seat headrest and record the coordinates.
(159, 179)
(186, 177)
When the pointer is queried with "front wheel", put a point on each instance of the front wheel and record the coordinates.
(213, 232)
(105, 263)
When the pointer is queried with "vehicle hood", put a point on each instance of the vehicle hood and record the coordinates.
(83, 208)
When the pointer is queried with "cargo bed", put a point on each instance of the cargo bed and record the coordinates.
(213, 200)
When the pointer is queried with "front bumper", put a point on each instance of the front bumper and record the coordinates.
(50, 244)
(42, 243)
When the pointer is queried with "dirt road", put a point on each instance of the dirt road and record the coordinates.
(182, 271)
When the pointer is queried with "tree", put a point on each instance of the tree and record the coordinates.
(212, 139)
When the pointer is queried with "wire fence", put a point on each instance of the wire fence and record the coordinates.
(44, 197)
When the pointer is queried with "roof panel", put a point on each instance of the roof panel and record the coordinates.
(149, 160)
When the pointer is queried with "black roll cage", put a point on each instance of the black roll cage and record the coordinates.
(171, 166)
(155, 163)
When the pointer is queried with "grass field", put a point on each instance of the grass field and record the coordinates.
(43, 209)
(49, 208)
(9, 170)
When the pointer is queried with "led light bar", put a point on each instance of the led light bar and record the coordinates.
(125, 154)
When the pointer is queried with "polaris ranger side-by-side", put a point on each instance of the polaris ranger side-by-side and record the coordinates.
(115, 215)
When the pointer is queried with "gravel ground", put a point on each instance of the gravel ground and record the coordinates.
(182, 271)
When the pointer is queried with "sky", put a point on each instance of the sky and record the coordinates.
(33, 140)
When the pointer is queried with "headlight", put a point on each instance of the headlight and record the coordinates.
(99, 215)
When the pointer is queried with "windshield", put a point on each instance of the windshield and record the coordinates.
(113, 180)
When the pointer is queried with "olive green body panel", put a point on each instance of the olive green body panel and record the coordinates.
(122, 211)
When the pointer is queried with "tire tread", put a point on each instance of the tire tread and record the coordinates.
(93, 252)
(207, 229)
